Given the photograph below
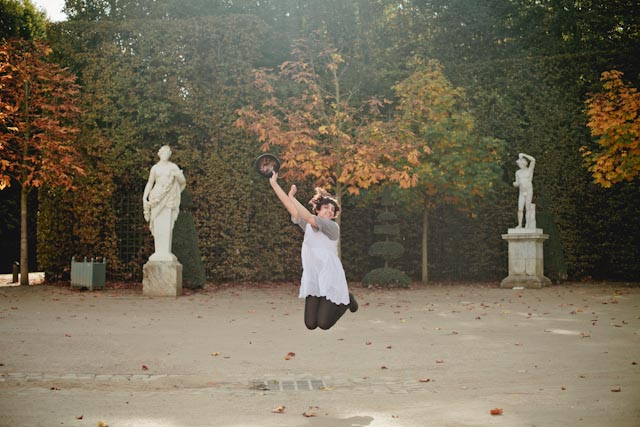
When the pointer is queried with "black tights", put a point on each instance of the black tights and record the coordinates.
(322, 313)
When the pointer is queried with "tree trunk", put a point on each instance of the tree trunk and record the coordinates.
(24, 242)
(425, 235)
(338, 196)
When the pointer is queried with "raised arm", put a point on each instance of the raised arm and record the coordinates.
(302, 211)
(532, 160)
(284, 198)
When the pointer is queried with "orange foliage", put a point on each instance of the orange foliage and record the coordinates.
(37, 100)
(614, 121)
(320, 135)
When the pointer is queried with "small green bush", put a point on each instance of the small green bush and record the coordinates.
(185, 245)
(387, 229)
(386, 250)
(387, 217)
(387, 277)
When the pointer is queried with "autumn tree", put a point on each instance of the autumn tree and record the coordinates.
(308, 117)
(462, 165)
(615, 123)
(38, 103)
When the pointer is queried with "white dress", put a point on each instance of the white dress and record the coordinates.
(322, 272)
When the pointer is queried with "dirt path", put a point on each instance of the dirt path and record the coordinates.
(436, 356)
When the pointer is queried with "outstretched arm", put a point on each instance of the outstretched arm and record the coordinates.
(302, 211)
(284, 198)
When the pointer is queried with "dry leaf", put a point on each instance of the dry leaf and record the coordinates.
(496, 411)
(278, 410)
(616, 389)
(102, 424)
(424, 380)
(79, 417)
(215, 353)
(145, 368)
(289, 355)
(383, 367)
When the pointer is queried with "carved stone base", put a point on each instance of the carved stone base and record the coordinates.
(162, 279)
(526, 260)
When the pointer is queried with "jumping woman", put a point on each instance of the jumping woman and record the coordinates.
(323, 284)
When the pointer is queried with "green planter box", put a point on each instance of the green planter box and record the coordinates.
(88, 274)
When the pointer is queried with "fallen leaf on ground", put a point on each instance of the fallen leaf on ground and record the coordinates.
(289, 355)
(496, 411)
(383, 367)
(616, 389)
(439, 361)
(215, 353)
(311, 412)
(102, 424)
(424, 380)
(278, 410)
(79, 417)
(145, 368)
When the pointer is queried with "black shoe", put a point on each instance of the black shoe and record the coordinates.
(353, 304)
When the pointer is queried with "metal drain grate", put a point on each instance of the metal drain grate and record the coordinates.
(288, 385)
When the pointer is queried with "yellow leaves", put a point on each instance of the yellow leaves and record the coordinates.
(613, 119)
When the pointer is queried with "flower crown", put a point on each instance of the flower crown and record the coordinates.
(323, 197)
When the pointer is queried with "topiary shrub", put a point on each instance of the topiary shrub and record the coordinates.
(185, 245)
(387, 226)
(386, 276)
(386, 250)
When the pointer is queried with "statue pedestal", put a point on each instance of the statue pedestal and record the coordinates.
(526, 263)
(162, 279)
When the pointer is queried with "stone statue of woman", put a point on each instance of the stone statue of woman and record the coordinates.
(161, 202)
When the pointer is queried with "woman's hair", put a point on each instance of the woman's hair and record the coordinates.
(323, 197)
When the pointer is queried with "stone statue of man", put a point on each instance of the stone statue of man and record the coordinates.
(161, 202)
(524, 182)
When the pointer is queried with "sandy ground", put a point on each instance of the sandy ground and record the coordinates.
(444, 355)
